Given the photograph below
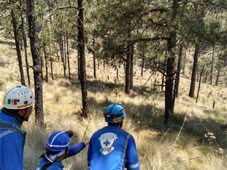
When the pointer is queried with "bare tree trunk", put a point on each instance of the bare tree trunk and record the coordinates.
(211, 69)
(37, 68)
(200, 78)
(217, 77)
(131, 69)
(185, 51)
(25, 46)
(142, 65)
(94, 62)
(193, 77)
(46, 64)
(81, 49)
(206, 75)
(177, 79)
(128, 64)
(67, 52)
(25, 52)
(51, 67)
(17, 42)
(170, 68)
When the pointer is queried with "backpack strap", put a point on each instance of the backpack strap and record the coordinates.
(11, 128)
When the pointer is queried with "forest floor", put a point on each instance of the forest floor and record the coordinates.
(195, 137)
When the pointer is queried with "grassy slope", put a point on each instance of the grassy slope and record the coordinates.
(159, 146)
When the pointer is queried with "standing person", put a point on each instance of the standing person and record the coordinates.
(58, 147)
(111, 148)
(17, 107)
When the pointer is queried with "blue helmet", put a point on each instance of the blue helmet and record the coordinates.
(114, 113)
(58, 141)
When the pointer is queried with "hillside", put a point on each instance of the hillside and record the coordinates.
(185, 143)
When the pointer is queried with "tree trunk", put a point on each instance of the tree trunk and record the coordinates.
(185, 51)
(128, 71)
(193, 77)
(200, 78)
(170, 68)
(128, 63)
(61, 46)
(37, 68)
(211, 69)
(25, 51)
(94, 62)
(25, 46)
(51, 67)
(206, 75)
(217, 77)
(131, 69)
(17, 42)
(142, 65)
(46, 64)
(67, 52)
(81, 50)
(177, 79)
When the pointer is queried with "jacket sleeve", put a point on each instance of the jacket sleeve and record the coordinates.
(132, 160)
(76, 149)
(89, 153)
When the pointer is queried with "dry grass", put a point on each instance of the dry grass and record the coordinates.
(144, 120)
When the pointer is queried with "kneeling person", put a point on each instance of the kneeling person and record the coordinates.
(58, 148)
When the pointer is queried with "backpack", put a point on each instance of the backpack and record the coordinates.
(11, 128)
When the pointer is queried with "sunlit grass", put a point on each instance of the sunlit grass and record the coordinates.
(157, 143)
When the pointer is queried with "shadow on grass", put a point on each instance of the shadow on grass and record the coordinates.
(147, 116)
(7, 43)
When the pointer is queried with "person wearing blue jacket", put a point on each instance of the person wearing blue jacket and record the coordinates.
(111, 148)
(17, 107)
(58, 147)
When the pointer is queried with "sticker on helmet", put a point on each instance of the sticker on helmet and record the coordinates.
(106, 142)
(117, 119)
(118, 107)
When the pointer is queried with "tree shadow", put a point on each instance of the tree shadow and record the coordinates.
(7, 42)
(146, 116)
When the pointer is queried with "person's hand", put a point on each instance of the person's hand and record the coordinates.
(87, 142)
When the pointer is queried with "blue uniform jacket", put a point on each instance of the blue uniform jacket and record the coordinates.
(58, 166)
(111, 148)
(11, 146)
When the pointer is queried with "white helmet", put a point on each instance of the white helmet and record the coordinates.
(18, 97)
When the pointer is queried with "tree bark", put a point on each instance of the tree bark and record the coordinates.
(217, 77)
(193, 76)
(17, 42)
(142, 64)
(200, 78)
(185, 51)
(94, 59)
(177, 79)
(131, 69)
(51, 67)
(37, 68)
(211, 68)
(67, 52)
(170, 68)
(128, 71)
(25, 51)
(81, 50)
(46, 64)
